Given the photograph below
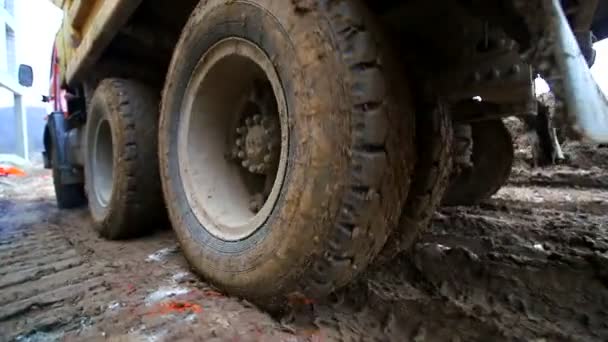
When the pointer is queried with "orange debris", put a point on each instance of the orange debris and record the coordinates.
(11, 171)
(176, 307)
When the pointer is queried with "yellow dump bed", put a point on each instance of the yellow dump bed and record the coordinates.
(87, 29)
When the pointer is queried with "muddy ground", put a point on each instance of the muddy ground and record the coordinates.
(529, 265)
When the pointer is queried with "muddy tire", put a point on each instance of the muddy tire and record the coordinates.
(492, 159)
(69, 196)
(346, 145)
(121, 163)
(430, 181)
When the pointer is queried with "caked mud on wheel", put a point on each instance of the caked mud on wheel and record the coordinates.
(430, 179)
(121, 163)
(491, 163)
(279, 179)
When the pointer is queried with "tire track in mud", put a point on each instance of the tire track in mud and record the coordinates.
(42, 280)
(59, 280)
(530, 264)
(534, 283)
(561, 176)
(154, 295)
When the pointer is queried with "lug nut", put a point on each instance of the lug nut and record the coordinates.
(239, 142)
(256, 203)
(240, 130)
(245, 163)
(241, 154)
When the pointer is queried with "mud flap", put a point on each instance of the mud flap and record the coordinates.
(586, 103)
(57, 154)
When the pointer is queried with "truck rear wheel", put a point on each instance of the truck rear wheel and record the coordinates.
(492, 161)
(121, 163)
(430, 180)
(69, 196)
(68, 192)
(281, 180)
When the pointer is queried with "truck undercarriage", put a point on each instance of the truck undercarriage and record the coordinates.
(294, 136)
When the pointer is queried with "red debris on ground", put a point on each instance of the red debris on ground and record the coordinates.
(11, 171)
(211, 293)
(175, 307)
(297, 299)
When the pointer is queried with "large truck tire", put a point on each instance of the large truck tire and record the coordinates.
(121, 162)
(69, 188)
(69, 196)
(310, 87)
(434, 136)
(492, 160)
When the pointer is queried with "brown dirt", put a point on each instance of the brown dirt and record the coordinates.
(529, 265)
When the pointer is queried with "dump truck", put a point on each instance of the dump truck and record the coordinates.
(293, 143)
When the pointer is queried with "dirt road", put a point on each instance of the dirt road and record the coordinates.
(529, 265)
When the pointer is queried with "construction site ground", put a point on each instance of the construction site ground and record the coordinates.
(531, 264)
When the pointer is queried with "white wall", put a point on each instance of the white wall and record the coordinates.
(600, 68)
(34, 23)
(37, 22)
(7, 39)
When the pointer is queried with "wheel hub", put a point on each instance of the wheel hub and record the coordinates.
(233, 139)
(257, 145)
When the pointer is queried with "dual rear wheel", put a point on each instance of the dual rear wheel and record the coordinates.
(121, 163)
(286, 148)
(491, 162)
(284, 181)
(279, 180)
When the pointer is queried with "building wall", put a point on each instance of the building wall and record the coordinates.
(10, 86)
(35, 129)
(8, 36)
(27, 32)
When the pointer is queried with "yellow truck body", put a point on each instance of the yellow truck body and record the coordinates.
(88, 27)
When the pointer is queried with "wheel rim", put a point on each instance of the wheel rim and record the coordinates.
(233, 139)
(103, 163)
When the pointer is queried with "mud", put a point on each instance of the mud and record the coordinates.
(531, 264)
